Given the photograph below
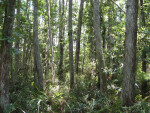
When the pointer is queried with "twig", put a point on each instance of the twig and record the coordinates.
(119, 7)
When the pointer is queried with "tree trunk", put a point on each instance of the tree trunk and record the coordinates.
(130, 53)
(17, 43)
(143, 25)
(61, 15)
(84, 56)
(144, 63)
(51, 41)
(99, 47)
(71, 46)
(5, 53)
(78, 36)
(103, 25)
(37, 58)
(47, 62)
(27, 41)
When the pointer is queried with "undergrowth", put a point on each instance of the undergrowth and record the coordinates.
(84, 98)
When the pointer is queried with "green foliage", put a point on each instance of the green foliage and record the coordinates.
(141, 76)
(85, 97)
(140, 107)
(9, 39)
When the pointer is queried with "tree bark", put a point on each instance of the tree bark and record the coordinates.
(51, 41)
(27, 41)
(99, 47)
(37, 59)
(130, 53)
(78, 36)
(17, 43)
(103, 25)
(5, 53)
(144, 63)
(71, 46)
(61, 16)
(84, 56)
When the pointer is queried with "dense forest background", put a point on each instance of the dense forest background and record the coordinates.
(74, 56)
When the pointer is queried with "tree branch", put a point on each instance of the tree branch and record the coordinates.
(119, 7)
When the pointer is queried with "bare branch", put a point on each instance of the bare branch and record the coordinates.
(119, 7)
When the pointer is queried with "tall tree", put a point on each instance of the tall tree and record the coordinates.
(144, 63)
(143, 25)
(61, 19)
(71, 46)
(17, 42)
(78, 36)
(130, 53)
(27, 40)
(5, 53)
(37, 59)
(99, 47)
(51, 41)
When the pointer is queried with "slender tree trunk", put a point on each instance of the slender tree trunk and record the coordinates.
(143, 25)
(142, 13)
(47, 56)
(99, 47)
(61, 15)
(130, 53)
(71, 46)
(90, 37)
(109, 40)
(5, 53)
(103, 25)
(25, 47)
(144, 63)
(84, 56)
(78, 36)
(17, 61)
(37, 58)
(51, 42)
(47, 62)
(103, 32)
